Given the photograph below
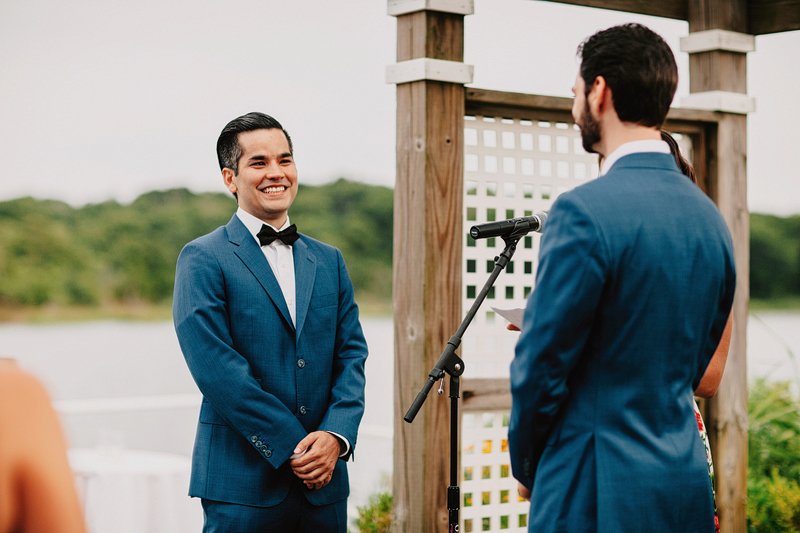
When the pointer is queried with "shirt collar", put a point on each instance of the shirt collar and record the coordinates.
(253, 224)
(633, 147)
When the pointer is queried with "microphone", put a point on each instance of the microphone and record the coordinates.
(504, 228)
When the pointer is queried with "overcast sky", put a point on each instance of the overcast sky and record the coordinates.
(108, 99)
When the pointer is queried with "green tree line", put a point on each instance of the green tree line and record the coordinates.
(53, 253)
(107, 253)
(774, 257)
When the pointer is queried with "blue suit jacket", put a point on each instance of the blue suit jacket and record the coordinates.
(266, 384)
(634, 287)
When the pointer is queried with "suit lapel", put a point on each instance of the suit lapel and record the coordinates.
(305, 269)
(251, 255)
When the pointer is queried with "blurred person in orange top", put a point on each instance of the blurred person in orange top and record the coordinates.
(37, 488)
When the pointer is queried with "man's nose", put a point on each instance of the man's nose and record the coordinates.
(274, 171)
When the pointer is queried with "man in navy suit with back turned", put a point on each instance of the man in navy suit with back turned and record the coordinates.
(269, 328)
(633, 290)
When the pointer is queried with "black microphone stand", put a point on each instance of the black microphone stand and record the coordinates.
(449, 362)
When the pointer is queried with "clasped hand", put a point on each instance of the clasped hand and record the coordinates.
(315, 458)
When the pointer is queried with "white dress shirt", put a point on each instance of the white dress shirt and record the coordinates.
(633, 147)
(279, 256)
(281, 259)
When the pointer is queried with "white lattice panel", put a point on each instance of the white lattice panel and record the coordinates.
(489, 500)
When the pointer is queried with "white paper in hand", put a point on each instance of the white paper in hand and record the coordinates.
(514, 316)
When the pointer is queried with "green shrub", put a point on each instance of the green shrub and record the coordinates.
(376, 516)
(773, 479)
(773, 503)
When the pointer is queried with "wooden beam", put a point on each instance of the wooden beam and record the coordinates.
(728, 15)
(486, 394)
(727, 421)
(480, 98)
(425, 34)
(759, 17)
(725, 70)
(772, 16)
(487, 102)
(428, 201)
(673, 9)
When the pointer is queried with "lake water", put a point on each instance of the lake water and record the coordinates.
(126, 384)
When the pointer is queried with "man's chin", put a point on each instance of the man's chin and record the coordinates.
(589, 143)
(274, 212)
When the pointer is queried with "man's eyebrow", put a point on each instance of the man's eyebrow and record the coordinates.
(262, 157)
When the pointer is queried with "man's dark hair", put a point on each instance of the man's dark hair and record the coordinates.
(638, 67)
(228, 149)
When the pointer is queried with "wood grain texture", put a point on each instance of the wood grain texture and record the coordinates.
(486, 394)
(674, 9)
(718, 71)
(772, 16)
(755, 17)
(428, 202)
(727, 420)
(430, 34)
(727, 165)
(717, 15)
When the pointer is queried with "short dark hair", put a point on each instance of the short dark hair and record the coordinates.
(639, 68)
(228, 149)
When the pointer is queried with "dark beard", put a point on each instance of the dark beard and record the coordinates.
(590, 130)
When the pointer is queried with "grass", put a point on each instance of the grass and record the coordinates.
(137, 311)
(58, 313)
(374, 306)
(788, 303)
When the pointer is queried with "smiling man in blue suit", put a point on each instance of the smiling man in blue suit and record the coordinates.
(633, 290)
(269, 328)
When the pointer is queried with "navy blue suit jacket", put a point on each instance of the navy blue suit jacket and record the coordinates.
(266, 384)
(634, 287)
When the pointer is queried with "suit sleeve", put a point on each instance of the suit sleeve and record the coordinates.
(222, 374)
(556, 325)
(346, 406)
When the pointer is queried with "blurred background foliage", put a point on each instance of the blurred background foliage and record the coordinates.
(774, 257)
(112, 254)
(773, 476)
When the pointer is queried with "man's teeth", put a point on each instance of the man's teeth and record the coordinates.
(279, 188)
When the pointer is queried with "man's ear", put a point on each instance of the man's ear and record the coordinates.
(599, 97)
(227, 177)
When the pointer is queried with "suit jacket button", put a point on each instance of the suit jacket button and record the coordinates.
(268, 453)
(303, 410)
(301, 363)
(253, 439)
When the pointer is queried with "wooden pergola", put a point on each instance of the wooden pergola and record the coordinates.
(431, 103)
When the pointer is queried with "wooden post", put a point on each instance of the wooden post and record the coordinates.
(717, 47)
(428, 240)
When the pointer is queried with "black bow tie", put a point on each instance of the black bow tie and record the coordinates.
(287, 236)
